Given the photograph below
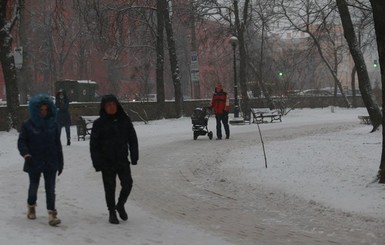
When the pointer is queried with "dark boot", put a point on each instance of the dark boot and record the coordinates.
(122, 212)
(113, 218)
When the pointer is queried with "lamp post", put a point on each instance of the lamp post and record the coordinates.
(234, 43)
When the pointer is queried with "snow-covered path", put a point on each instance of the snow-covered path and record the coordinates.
(216, 192)
(189, 184)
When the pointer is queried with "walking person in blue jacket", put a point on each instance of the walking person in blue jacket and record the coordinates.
(39, 144)
(113, 141)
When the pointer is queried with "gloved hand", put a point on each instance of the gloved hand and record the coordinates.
(27, 163)
(97, 165)
(59, 172)
(225, 112)
(134, 163)
(28, 159)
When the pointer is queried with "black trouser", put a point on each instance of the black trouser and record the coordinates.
(67, 129)
(224, 118)
(109, 182)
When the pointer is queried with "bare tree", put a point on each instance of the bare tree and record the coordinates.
(160, 57)
(84, 48)
(173, 59)
(363, 77)
(263, 15)
(40, 61)
(66, 34)
(134, 30)
(365, 35)
(240, 25)
(26, 70)
(9, 13)
(212, 36)
(317, 19)
(378, 7)
(121, 31)
(234, 16)
(48, 32)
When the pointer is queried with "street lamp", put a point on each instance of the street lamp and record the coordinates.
(234, 43)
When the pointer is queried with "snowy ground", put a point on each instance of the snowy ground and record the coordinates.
(315, 190)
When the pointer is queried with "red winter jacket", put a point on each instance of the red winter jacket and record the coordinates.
(220, 103)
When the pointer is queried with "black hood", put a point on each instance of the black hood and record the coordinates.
(109, 98)
(64, 93)
(61, 91)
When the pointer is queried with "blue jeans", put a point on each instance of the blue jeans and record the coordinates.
(224, 118)
(49, 183)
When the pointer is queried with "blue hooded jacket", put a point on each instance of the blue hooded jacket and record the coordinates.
(39, 137)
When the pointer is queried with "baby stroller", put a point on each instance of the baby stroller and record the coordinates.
(199, 119)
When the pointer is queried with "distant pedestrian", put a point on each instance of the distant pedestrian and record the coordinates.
(63, 114)
(39, 144)
(221, 106)
(113, 140)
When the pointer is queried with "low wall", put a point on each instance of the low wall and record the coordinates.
(136, 110)
(149, 110)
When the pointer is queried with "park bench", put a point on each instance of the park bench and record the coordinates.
(365, 119)
(265, 115)
(84, 126)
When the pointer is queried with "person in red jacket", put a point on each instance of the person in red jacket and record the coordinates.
(220, 105)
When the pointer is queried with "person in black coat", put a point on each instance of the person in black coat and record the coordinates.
(63, 114)
(39, 144)
(113, 140)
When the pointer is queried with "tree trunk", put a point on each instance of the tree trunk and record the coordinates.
(353, 84)
(261, 83)
(378, 7)
(8, 62)
(196, 89)
(25, 72)
(240, 28)
(173, 60)
(333, 72)
(160, 97)
(266, 94)
(363, 77)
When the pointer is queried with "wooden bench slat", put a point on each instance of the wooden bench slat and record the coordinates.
(259, 114)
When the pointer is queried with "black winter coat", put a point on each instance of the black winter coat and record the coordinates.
(62, 105)
(112, 139)
(40, 138)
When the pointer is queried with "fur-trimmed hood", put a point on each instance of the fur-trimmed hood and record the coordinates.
(34, 111)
